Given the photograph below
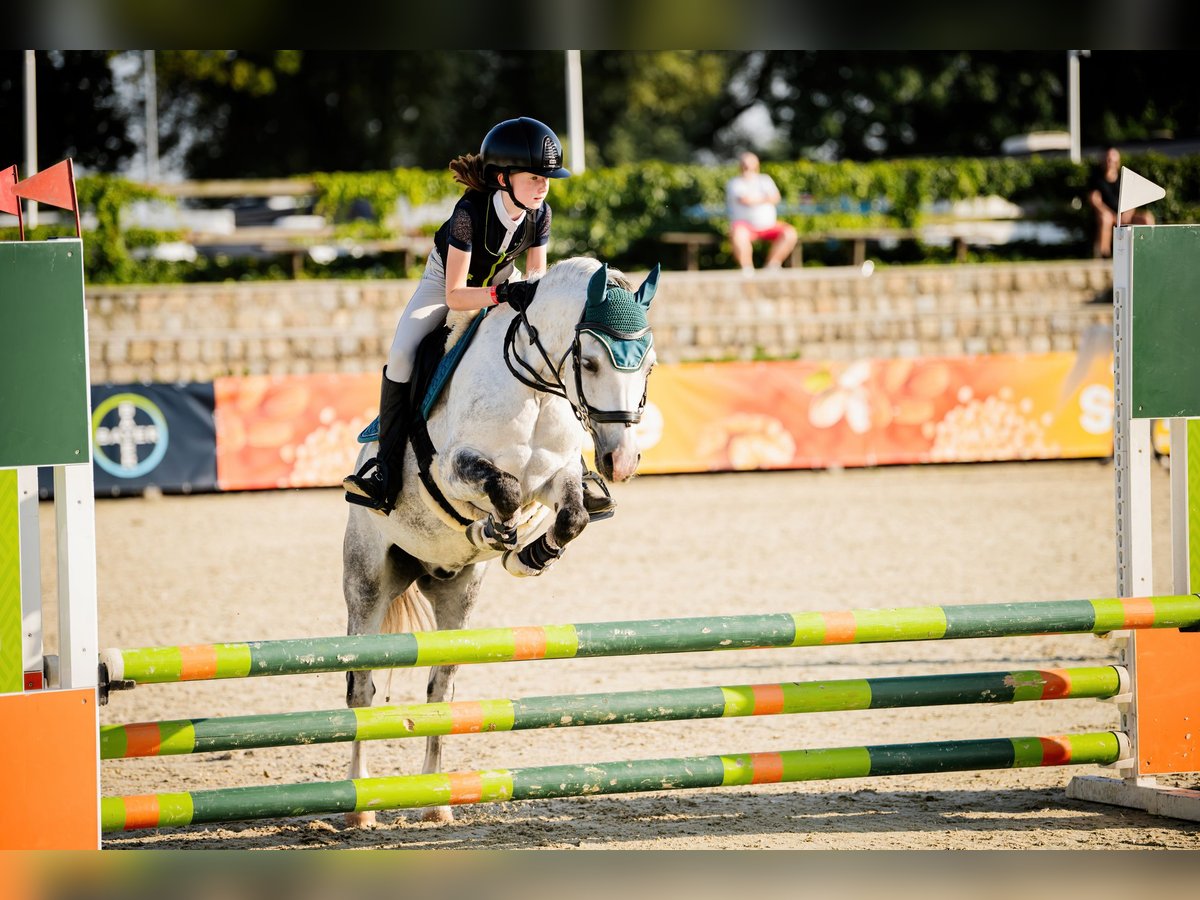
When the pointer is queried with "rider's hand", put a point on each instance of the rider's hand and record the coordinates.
(517, 294)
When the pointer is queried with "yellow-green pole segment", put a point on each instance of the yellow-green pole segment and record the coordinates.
(361, 652)
(624, 707)
(547, 782)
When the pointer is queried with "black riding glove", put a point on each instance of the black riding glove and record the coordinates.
(517, 294)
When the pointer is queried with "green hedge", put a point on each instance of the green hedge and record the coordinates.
(618, 213)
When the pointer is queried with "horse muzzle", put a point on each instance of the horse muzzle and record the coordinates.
(618, 462)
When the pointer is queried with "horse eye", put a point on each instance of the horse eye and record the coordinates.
(590, 364)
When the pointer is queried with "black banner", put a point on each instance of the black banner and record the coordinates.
(150, 435)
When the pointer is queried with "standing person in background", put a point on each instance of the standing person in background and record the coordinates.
(1103, 195)
(502, 215)
(752, 198)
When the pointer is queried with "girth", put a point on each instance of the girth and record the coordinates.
(423, 449)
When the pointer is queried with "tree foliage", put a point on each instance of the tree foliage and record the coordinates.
(233, 114)
(79, 113)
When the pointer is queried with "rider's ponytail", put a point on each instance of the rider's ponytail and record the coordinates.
(468, 171)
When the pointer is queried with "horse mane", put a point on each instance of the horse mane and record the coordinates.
(459, 320)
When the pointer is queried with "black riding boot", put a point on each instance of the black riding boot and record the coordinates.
(377, 484)
(596, 499)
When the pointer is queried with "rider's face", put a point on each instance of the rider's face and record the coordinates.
(530, 189)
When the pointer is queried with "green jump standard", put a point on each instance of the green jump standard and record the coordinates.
(548, 782)
(151, 665)
(557, 711)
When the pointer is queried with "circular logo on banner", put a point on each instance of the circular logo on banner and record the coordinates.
(129, 435)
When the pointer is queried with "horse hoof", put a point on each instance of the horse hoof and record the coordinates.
(513, 566)
(441, 814)
(360, 820)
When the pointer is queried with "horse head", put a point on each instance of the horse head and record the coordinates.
(614, 353)
(596, 351)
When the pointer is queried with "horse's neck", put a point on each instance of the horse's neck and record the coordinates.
(484, 390)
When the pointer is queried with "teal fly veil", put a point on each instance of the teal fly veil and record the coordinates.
(616, 317)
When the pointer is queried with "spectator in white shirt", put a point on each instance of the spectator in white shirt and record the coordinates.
(752, 198)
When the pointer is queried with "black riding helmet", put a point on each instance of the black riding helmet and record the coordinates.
(520, 145)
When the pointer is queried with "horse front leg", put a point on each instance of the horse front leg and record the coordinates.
(565, 494)
(474, 476)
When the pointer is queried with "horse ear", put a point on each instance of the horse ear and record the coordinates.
(646, 292)
(598, 285)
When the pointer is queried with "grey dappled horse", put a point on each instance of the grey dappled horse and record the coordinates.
(503, 453)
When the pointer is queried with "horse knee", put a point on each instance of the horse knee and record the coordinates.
(569, 523)
(501, 488)
(360, 689)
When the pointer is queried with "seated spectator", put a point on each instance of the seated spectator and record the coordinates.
(1103, 190)
(752, 198)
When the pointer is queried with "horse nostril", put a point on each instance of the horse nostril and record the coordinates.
(608, 462)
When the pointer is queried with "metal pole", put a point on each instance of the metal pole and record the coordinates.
(1073, 101)
(150, 89)
(575, 110)
(275, 801)
(415, 720)
(360, 652)
(31, 207)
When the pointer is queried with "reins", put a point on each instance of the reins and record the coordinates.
(532, 378)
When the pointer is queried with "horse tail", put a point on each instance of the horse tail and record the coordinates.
(410, 611)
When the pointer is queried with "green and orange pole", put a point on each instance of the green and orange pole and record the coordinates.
(559, 711)
(151, 665)
(548, 782)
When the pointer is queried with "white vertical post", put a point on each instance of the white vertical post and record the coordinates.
(29, 530)
(575, 111)
(150, 91)
(1131, 457)
(31, 207)
(1181, 573)
(1131, 439)
(1073, 104)
(78, 632)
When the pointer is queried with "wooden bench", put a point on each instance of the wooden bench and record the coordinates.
(691, 241)
(296, 243)
(858, 238)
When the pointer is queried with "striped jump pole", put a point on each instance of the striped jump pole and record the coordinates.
(549, 782)
(156, 665)
(556, 711)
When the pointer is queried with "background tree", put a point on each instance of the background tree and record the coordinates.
(79, 112)
(234, 114)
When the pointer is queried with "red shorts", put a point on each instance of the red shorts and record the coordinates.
(770, 233)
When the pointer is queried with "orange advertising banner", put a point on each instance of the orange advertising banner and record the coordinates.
(803, 415)
(290, 431)
(300, 431)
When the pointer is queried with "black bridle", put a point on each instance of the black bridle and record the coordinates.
(530, 377)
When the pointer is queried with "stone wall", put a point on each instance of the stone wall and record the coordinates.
(198, 332)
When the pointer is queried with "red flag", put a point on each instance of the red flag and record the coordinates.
(54, 186)
(8, 199)
(9, 202)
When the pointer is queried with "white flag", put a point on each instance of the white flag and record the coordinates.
(1136, 191)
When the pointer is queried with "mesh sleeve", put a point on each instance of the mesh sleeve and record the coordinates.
(461, 231)
(542, 238)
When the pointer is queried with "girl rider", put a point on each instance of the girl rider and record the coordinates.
(502, 214)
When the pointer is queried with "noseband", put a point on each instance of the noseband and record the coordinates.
(584, 411)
